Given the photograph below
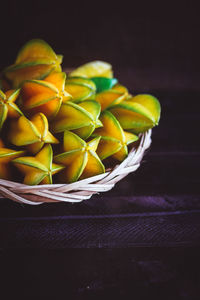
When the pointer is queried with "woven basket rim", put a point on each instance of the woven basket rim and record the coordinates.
(80, 190)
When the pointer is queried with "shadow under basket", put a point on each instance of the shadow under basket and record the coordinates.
(80, 190)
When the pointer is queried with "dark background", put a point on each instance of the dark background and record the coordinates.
(150, 44)
(153, 47)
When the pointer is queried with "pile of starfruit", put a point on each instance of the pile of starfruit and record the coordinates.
(71, 125)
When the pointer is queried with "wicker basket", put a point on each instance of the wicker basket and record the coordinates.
(80, 190)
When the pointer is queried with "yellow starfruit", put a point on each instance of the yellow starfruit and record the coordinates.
(147, 105)
(73, 116)
(33, 133)
(8, 108)
(80, 88)
(112, 97)
(6, 156)
(45, 95)
(79, 157)
(94, 109)
(114, 139)
(137, 114)
(38, 169)
(94, 69)
(35, 60)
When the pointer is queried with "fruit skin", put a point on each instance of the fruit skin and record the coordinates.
(8, 108)
(94, 109)
(6, 156)
(35, 60)
(93, 69)
(17, 74)
(121, 89)
(147, 105)
(58, 79)
(137, 114)
(44, 96)
(80, 88)
(103, 83)
(79, 157)
(32, 133)
(108, 146)
(114, 140)
(109, 98)
(3, 114)
(73, 116)
(41, 123)
(82, 80)
(37, 49)
(38, 169)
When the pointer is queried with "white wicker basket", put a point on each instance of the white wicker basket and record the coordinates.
(80, 190)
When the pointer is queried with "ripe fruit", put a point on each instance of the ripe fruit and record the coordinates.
(80, 88)
(32, 133)
(111, 97)
(6, 156)
(114, 140)
(35, 60)
(8, 108)
(148, 106)
(94, 69)
(82, 117)
(103, 83)
(87, 111)
(138, 113)
(44, 96)
(79, 157)
(38, 169)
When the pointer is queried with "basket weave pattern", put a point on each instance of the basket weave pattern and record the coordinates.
(80, 190)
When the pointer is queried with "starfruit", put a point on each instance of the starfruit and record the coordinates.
(80, 88)
(45, 95)
(6, 156)
(33, 133)
(38, 169)
(112, 97)
(138, 114)
(83, 118)
(148, 106)
(79, 157)
(35, 60)
(104, 83)
(94, 109)
(114, 139)
(94, 69)
(8, 108)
